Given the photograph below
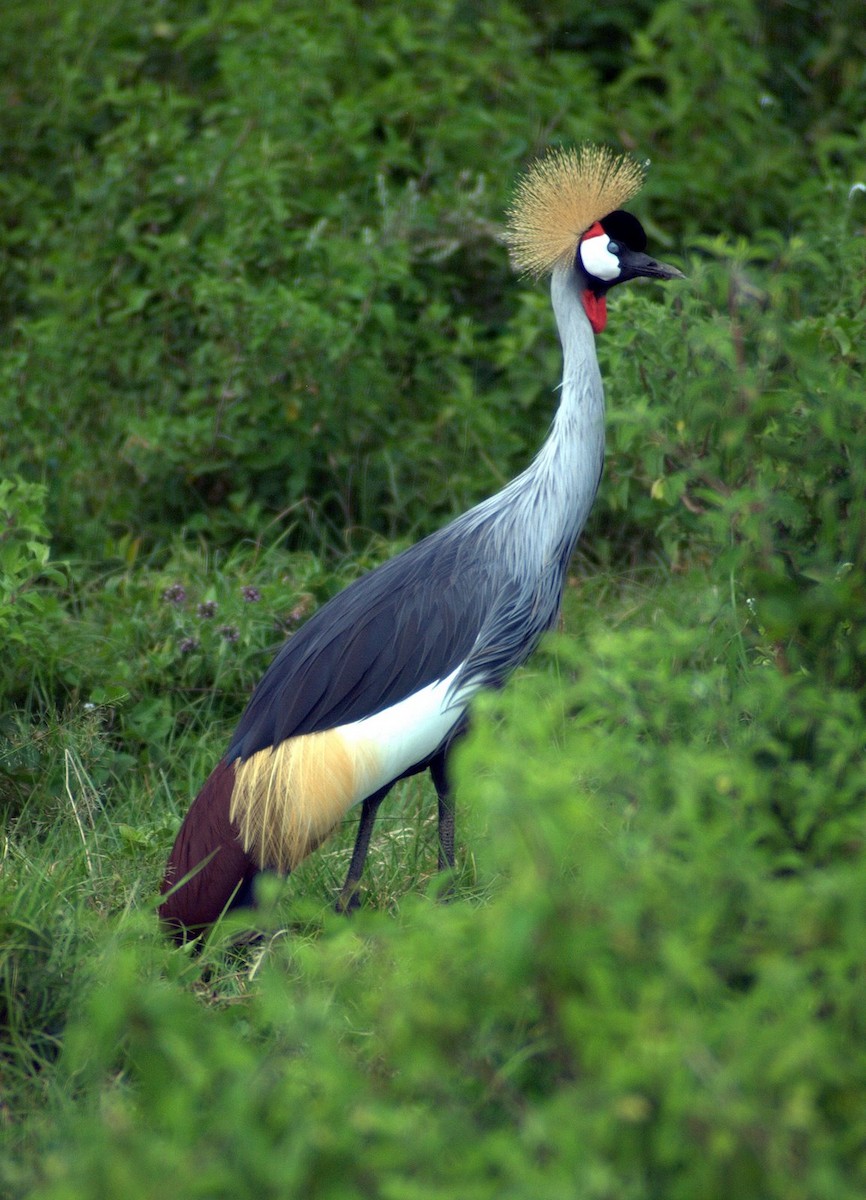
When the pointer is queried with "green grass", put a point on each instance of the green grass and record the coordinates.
(646, 979)
(82, 862)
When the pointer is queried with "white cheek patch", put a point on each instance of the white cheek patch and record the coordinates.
(597, 259)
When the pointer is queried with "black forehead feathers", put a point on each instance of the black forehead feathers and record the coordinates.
(621, 226)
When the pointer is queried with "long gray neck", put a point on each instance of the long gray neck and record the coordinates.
(544, 509)
(536, 519)
(568, 466)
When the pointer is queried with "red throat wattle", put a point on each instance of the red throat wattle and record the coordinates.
(594, 306)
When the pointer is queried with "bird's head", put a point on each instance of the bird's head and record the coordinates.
(566, 217)
(611, 252)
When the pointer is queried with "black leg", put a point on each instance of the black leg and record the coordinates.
(348, 898)
(438, 771)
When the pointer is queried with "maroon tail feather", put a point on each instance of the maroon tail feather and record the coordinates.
(206, 836)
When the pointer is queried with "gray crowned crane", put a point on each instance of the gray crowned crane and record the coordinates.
(376, 685)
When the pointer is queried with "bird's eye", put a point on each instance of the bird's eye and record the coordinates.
(613, 247)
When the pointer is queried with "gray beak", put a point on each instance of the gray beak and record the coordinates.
(636, 264)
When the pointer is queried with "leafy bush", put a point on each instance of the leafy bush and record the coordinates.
(663, 994)
(24, 555)
(248, 282)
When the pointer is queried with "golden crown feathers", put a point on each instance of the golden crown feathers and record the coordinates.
(560, 197)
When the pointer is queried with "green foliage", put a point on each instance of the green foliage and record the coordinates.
(245, 246)
(663, 995)
(254, 306)
(218, 238)
(24, 554)
(748, 438)
(149, 655)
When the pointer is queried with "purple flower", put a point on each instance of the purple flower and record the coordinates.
(231, 633)
(207, 609)
(187, 645)
(251, 594)
(175, 594)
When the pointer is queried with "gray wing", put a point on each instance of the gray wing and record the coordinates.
(409, 622)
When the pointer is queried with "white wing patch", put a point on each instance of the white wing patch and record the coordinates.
(288, 798)
(597, 259)
(407, 732)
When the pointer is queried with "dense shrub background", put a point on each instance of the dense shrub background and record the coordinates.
(258, 330)
(217, 237)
